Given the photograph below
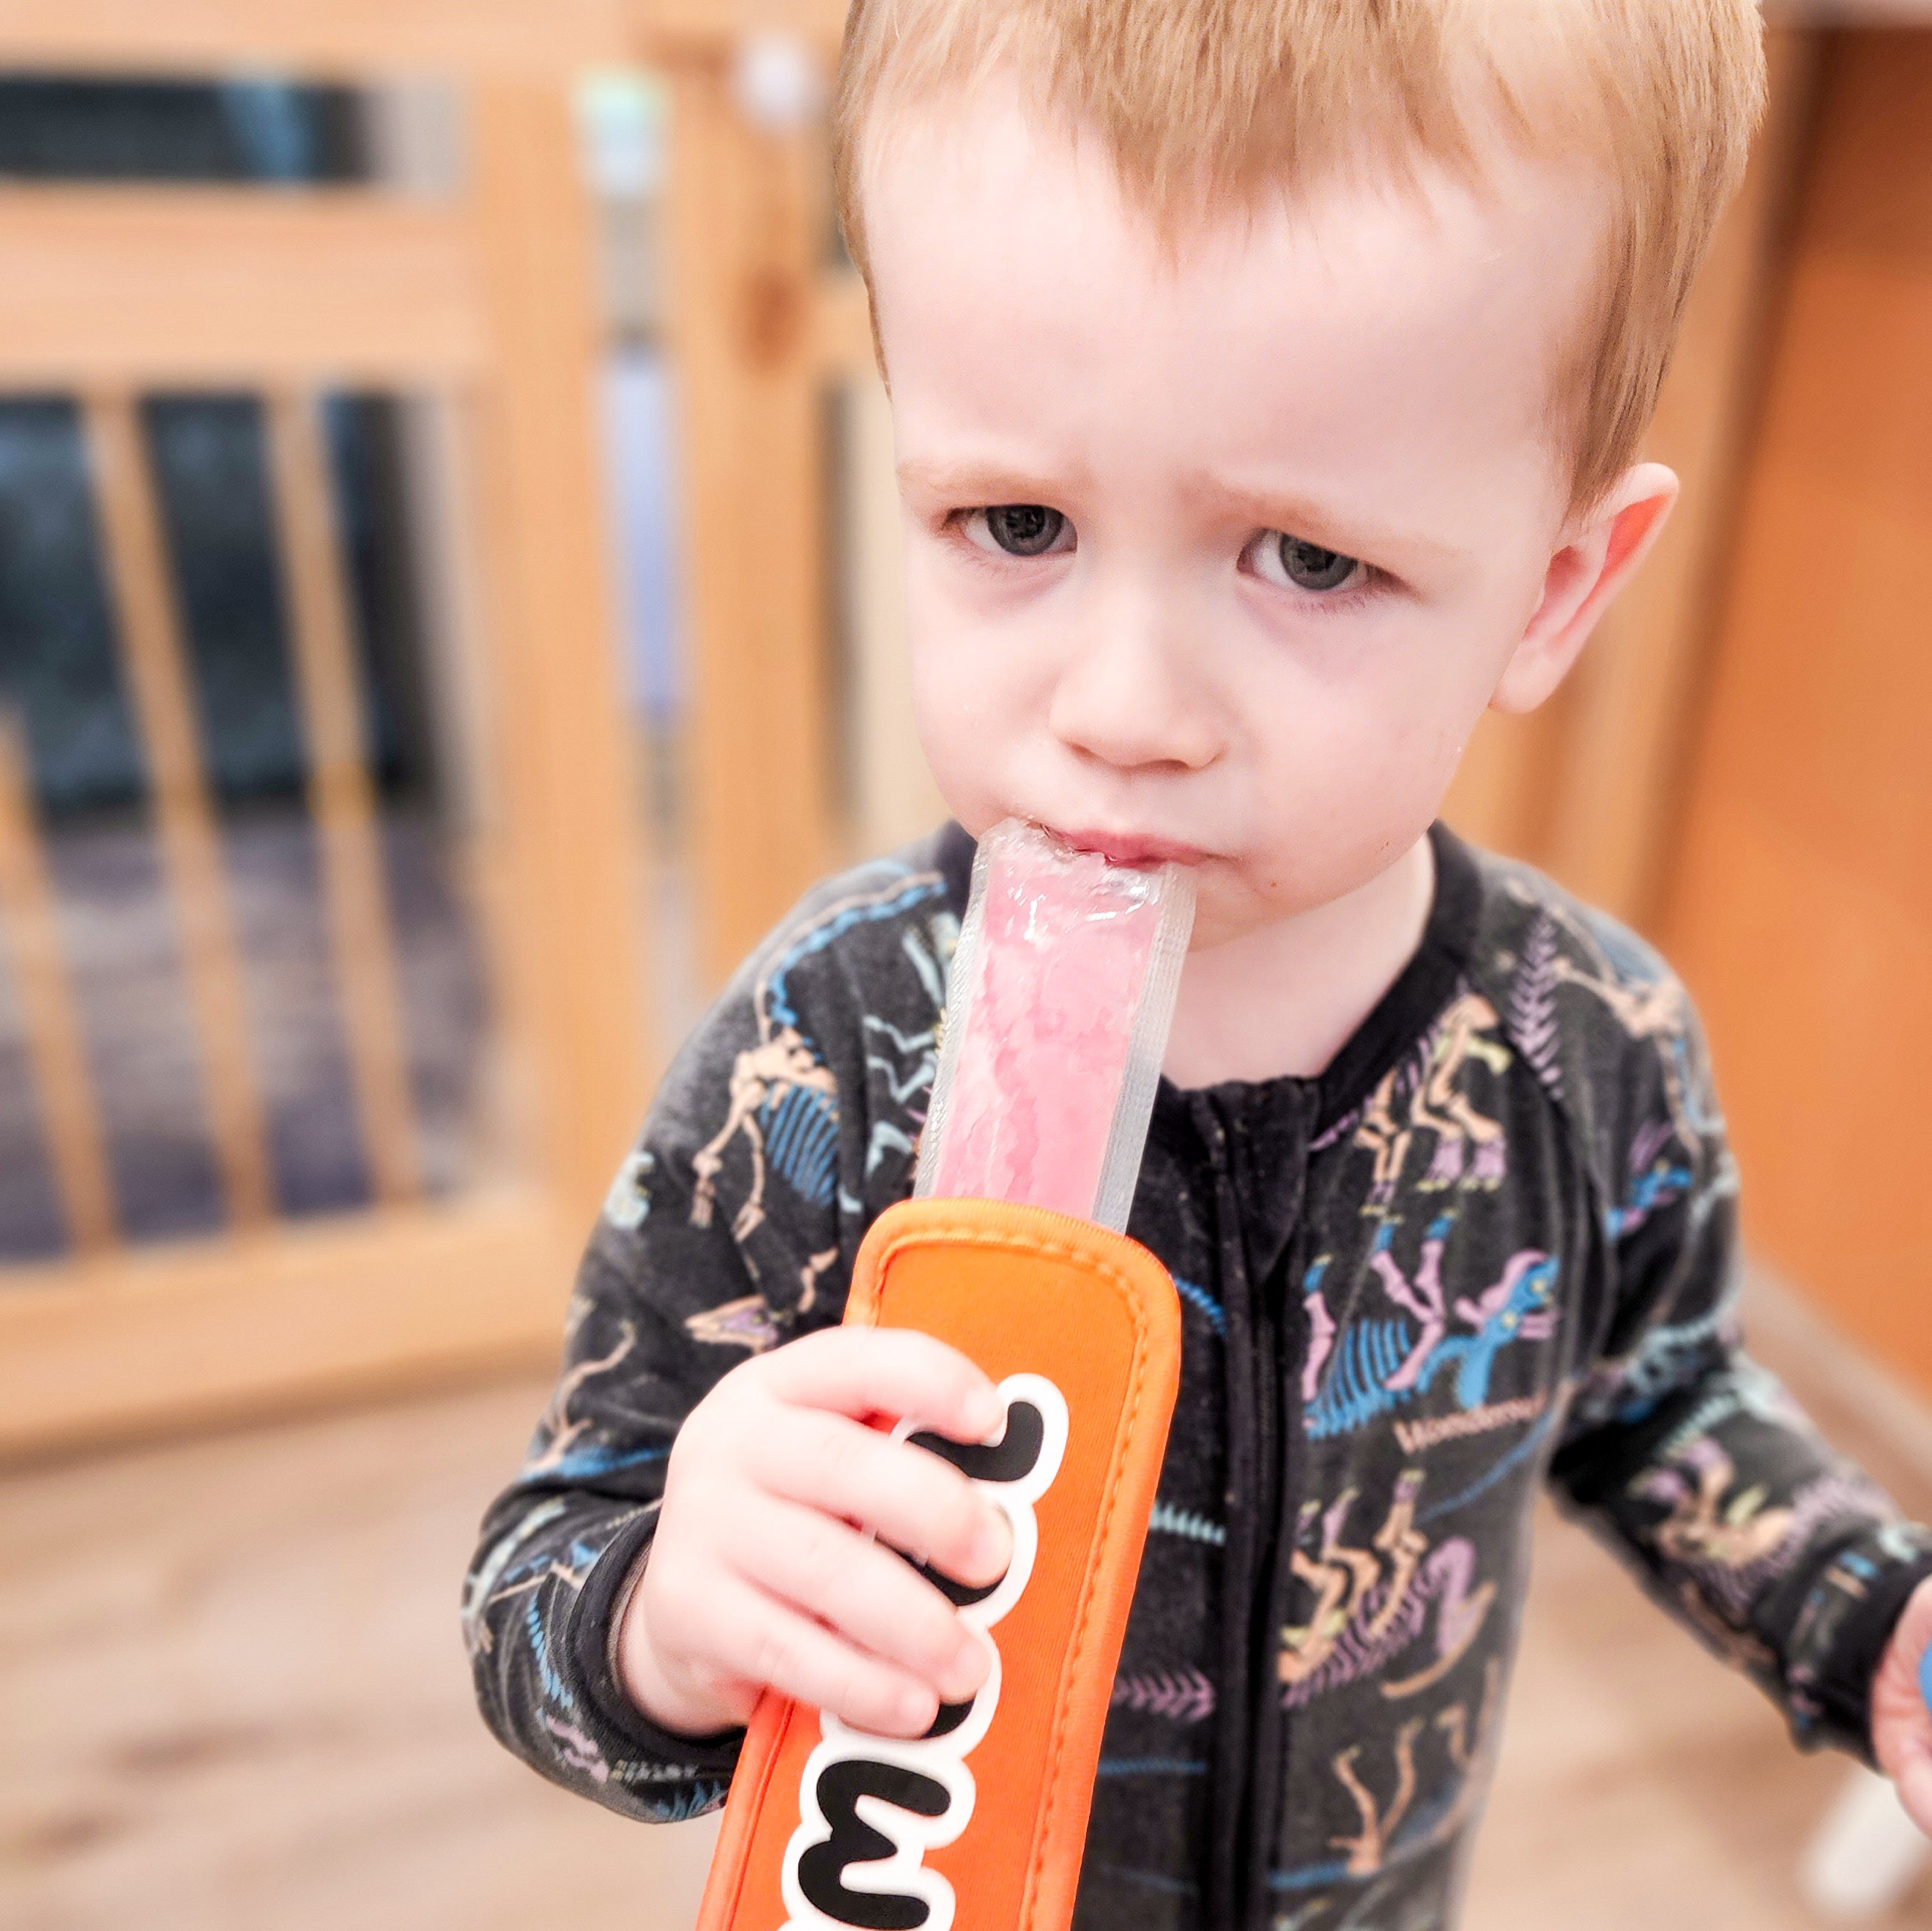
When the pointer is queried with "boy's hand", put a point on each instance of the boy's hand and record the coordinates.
(759, 1572)
(1901, 1724)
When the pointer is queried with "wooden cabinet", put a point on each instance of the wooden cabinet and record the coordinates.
(1801, 912)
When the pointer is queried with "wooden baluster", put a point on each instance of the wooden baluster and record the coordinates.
(570, 831)
(446, 488)
(342, 800)
(746, 328)
(151, 647)
(55, 1046)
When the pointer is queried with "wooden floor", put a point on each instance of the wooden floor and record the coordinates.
(232, 1695)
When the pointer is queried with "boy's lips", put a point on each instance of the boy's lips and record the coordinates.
(1131, 848)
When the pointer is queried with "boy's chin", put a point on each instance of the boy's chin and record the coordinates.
(1232, 906)
(1221, 918)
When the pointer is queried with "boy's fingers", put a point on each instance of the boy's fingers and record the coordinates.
(906, 1495)
(759, 1639)
(894, 1371)
(865, 1592)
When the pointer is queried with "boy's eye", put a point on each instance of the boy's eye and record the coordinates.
(1291, 560)
(1019, 529)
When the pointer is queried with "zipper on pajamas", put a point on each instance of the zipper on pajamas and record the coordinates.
(1268, 1767)
(1253, 1834)
(1221, 1891)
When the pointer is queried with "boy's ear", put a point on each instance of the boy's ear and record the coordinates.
(1596, 560)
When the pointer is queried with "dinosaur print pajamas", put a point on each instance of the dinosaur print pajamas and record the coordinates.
(1492, 1248)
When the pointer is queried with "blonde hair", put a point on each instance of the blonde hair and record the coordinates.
(1206, 103)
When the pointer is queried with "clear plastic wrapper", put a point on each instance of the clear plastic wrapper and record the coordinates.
(1062, 993)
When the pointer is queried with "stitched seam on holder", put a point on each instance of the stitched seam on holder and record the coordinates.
(1125, 1287)
(978, 1236)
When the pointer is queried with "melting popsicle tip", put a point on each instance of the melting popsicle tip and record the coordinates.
(1062, 990)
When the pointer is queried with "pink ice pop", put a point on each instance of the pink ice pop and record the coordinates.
(1062, 993)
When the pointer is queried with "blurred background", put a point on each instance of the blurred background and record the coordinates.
(448, 609)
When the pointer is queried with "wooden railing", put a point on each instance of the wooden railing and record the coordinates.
(143, 599)
(486, 303)
(55, 1050)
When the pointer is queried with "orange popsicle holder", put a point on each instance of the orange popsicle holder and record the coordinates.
(979, 1824)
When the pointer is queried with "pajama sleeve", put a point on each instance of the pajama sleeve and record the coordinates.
(1686, 1455)
(785, 1126)
(558, 1548)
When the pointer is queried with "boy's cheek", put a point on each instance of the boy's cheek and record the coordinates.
(964, 750)
(1346, 801)
(976, 691)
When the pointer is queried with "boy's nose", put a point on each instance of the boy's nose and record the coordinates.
(1124, 697)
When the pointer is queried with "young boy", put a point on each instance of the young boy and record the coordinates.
(1267, 378)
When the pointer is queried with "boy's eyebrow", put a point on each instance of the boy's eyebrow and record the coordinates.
(1343, 530)
(976, 482)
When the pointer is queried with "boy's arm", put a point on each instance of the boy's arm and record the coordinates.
(1692, 1460)
(560, 1547)
(558, 1550)
(784, 1126)
(706, 1252)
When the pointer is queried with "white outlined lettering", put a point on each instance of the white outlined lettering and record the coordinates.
(871, 1806)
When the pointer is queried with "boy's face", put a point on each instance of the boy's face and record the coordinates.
(1221, 563)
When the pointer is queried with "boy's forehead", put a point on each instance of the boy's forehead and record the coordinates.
(1016, 288)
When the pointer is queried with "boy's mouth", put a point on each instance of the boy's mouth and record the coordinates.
(1130, 848)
